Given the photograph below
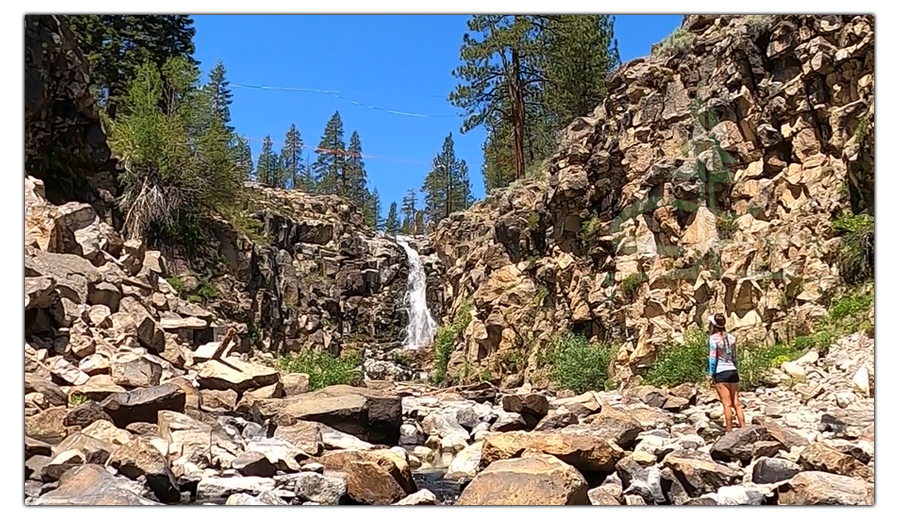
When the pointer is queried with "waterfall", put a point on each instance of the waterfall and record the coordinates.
(421, 327)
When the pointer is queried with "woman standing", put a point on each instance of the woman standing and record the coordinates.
(722, 370)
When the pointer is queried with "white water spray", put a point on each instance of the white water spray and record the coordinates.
(422, 327)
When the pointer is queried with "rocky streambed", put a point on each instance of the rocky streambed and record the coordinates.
(410, 444)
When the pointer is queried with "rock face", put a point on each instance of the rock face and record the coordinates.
(323, 280)
(616, 239)
(64, 142)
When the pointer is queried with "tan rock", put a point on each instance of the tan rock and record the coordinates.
(579, 448)
(538, 479)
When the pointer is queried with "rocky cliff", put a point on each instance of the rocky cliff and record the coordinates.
(65, 145)
(629, 237)
(313, 276)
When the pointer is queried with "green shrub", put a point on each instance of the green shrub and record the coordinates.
(755, 363)
(679, 40)
(679, 363)
(851, 305)
(446, 340)
(590, 228)
(76, 399)
(632, 283)
(856, 257)
(579, 365)
(540, 295)
(725, 225)
(323, 368)
(534, 221)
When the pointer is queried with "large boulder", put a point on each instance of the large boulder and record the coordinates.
(538, 479)
(822, 488)
(92, 485)
(577, 447)
(366, 413)
(376, 477)
(143, 404)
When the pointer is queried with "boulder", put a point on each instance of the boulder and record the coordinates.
(91, 485)
(138, 458)
(739, 444)
(234, 374)
(822, 488)
(538, 479)
(698, 475)
(579, 448)
(143, 404)
(376, 477)
(773, 470)
(320, 489)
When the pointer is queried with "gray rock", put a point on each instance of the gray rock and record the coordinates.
(320, 489)
(773, 470)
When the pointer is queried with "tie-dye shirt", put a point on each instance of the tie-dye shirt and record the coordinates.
(722, 354)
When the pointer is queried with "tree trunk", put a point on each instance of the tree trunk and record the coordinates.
(518, 116)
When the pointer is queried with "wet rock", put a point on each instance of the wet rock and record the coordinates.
(539, 479)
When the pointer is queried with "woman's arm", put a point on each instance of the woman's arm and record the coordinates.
(713, 358)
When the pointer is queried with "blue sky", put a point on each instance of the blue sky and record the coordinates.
(390, 62)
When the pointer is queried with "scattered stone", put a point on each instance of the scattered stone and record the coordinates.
(143, 404)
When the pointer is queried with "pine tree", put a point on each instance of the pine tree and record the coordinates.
(266, 165)
(354, 180)
(447, 188)
(307, 182)
(373, 210)
(409, 210)
(331, 161)
(117, 45)
(291, 158)
(498, 68)
(221, 95)
(243, 158)
(579, 52)
(391, 225)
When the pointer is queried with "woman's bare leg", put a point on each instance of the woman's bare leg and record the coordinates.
(734, 391)
(725, 398)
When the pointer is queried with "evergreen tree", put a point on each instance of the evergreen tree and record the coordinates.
(354, 180)
(117, 45)
(180, 166)
(447, 188)
(243, 158)
(306, 182)
(419, 226)
(409, 210)
(331, 161)
(496, 72)
(579, 52)
(266, 165)
(221, 95)
(372, 210)
(291, 158)
(391, 225)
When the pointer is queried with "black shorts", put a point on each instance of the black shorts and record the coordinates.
(727, 377)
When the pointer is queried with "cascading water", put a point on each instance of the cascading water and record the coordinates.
(422, 327)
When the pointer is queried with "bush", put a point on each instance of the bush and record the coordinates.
(323, 368)
(534, 221)
(679, 40)
(755, 363)
(680, 363)
(579, 365)
(590, 228)
(446, 340)
(178, 161)
(856, 257)
(631, 284)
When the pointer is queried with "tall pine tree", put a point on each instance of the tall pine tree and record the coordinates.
(409, 210)
(372, 210)
(447, 188)
(354, 182)
(267, 173)
(116, 45)
(330, 157)
(291, 158)
(243, 158)
(221, 95)
(391, 223)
